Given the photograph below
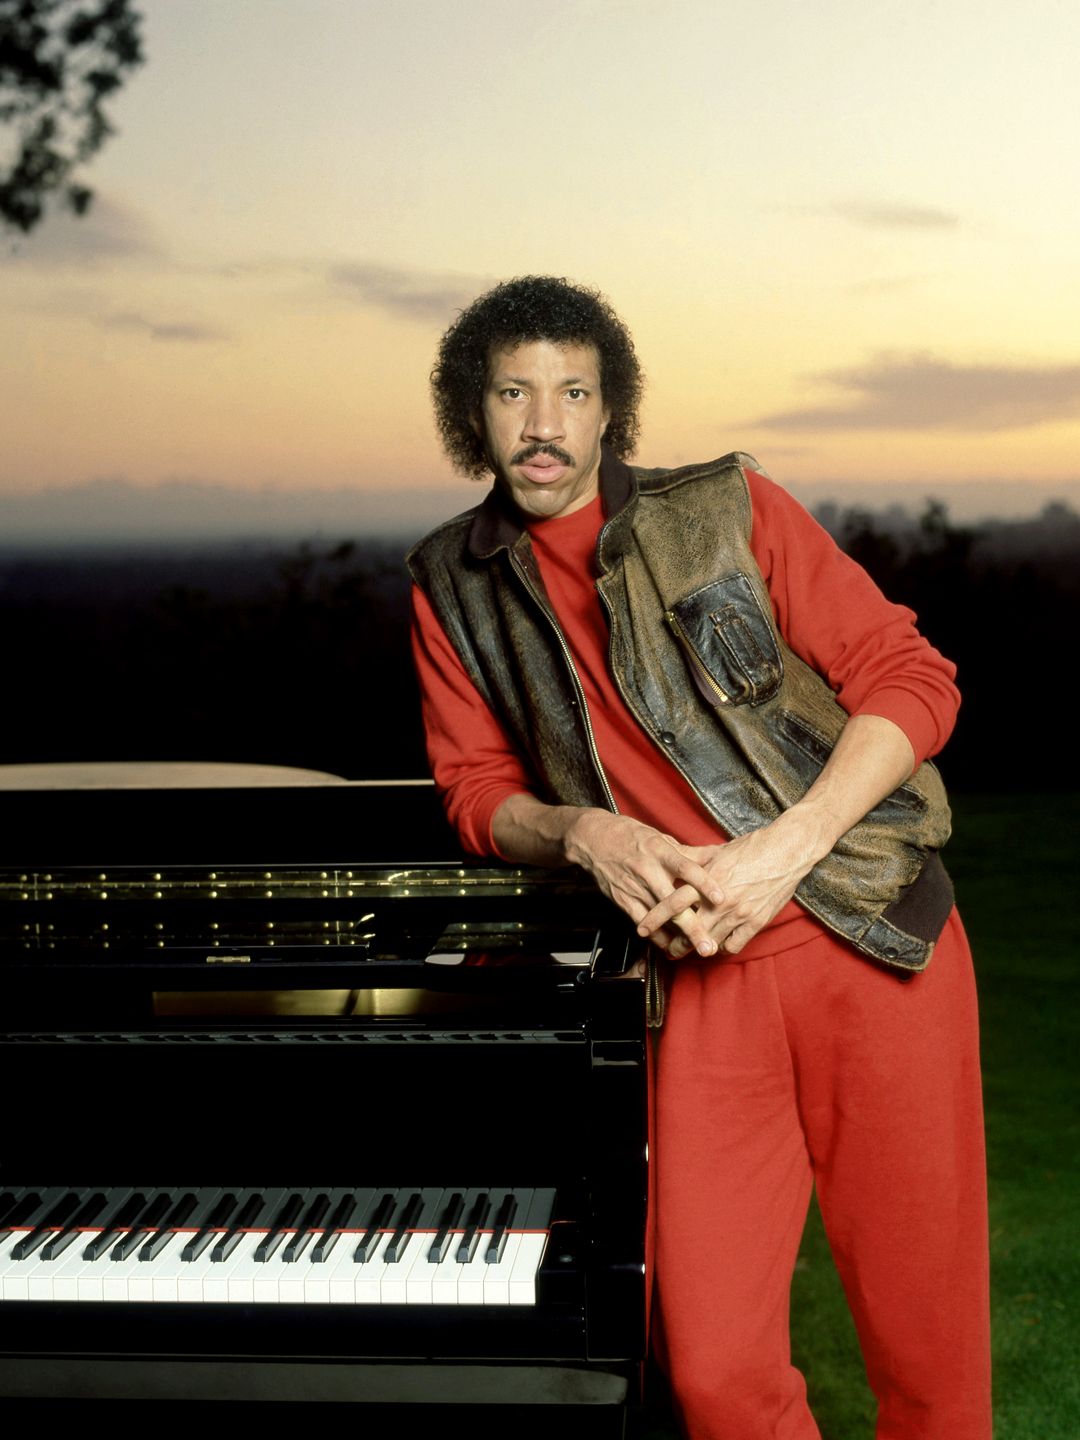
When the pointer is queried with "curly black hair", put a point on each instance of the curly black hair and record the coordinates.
(531, 307)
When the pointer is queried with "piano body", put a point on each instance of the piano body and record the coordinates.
(301, 1107)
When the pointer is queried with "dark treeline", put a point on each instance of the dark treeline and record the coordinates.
(1000, 599)
(300, 656)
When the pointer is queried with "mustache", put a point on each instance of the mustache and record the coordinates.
(540, 447)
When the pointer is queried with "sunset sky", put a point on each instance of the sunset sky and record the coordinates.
(845, 234)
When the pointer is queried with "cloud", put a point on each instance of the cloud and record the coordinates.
(921, 392)
(164, 330)
(109, 231)
(415, 294)
(877, 216)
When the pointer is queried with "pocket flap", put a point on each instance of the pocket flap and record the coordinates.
(729, 641)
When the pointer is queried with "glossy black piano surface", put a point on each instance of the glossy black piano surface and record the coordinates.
(303, 1003)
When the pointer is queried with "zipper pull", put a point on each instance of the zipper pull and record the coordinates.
(696, 663)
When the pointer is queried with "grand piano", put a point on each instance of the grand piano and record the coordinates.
(300, 1106)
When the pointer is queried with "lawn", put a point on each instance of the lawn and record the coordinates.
(1014, 861)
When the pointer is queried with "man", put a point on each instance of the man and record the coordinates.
(675, 680)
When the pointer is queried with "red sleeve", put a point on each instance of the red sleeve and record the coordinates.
(474, 766)
(833, 615)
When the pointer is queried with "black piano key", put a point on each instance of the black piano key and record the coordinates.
(235, 1233)
(403, 1229)
(137, 1235)
(286, 1213)
(503, 1220)
(21, 1211)
(477, 1219)
(217, 1219)
(54, 1220)
(86, 1214)
(126, 1216)
(7, 1202)
(169, 1226)
(370, 1239)
(311, 1217)
(339, 1221)
(447, 1222)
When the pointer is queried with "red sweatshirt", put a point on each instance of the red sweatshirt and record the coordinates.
(826, 606)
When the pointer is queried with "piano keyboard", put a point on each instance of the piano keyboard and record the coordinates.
(275, 1245)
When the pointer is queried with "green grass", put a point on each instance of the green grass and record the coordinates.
(1014, 861)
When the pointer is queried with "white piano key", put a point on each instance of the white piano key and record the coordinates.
(215, 1285)
(522, 1287)
(240, 1289)
(33, 1279)
(343, 1278)
(276, 1282)
(419, 1286)
(316, 1289)
(444, 1283)
(368, 1274)
(470, 1286)
(317, 1274)
(189, 1284)
(394, 1287)
(156, 1279)
(116, 1274)
(35, 1270)
(65, 1279)
(242, 1277)
(497, 1274)
(116, 1277)
(166, 1268)
(90, 1280)
(395, 1282)
(14, 1273)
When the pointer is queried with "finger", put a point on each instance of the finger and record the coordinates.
(739, 938)
(634, 972)
(694, 935)
(678, 863)
(691, 873)
(666, 909)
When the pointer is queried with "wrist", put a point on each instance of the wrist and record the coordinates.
(578, 822)
(811, 829)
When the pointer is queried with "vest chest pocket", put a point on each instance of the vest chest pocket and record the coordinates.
(728, 641)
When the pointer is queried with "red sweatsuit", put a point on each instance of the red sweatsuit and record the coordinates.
(811, 1066)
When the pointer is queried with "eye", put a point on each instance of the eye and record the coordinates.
(575, 394)
(511, 392)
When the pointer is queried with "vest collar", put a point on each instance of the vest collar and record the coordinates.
(497, 524)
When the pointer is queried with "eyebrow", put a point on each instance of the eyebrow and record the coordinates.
(520, 380)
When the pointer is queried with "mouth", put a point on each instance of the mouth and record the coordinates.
(543, 465)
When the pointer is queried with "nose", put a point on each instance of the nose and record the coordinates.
(543, 420)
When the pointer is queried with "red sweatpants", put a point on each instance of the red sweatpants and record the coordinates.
(817, 1068)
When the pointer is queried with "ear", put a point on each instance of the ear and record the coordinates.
(476, 425)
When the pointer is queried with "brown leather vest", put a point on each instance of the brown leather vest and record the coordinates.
(698, 659)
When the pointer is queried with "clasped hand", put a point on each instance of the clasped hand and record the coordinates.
(708, 898)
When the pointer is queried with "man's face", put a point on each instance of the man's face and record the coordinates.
(542, 420)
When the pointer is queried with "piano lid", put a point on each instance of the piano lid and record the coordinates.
(152, 816)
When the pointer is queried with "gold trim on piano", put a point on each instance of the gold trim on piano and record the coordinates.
(249, 883)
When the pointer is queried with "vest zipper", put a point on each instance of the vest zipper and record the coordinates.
(575, 678)
(692, 655)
